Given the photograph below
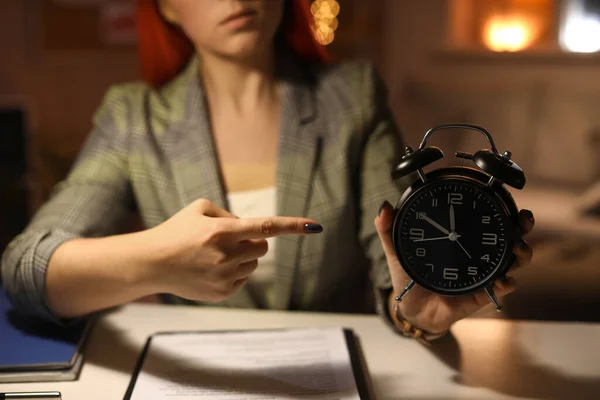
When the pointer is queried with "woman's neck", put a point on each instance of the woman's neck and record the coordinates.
(239, 85)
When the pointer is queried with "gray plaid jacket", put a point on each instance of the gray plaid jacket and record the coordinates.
(153, 149)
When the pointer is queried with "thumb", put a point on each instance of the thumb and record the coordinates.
(210, 209)
(383, 223)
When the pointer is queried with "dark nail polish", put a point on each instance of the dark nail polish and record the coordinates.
(504, 279)
(381, 207)
(313, 228)
(528, 215)
(522, 244)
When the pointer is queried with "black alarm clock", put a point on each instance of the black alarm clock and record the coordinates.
(455, 227)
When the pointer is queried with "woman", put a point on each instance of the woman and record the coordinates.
(241, 116)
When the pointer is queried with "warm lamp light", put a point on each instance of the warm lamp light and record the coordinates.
(509, 33)
(325, 21)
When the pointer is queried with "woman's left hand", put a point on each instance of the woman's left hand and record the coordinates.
(435, 313)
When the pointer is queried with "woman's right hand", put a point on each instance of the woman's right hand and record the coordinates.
(204, 253)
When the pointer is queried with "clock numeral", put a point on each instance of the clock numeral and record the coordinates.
(451, 274)
(485, 219)
(430, 265)
(420, 252)
(474, 204)
(486, 257)
(421, 215)
(472, 271)
(417, 234)
(455, 198)
(489, 239)
(434, 202)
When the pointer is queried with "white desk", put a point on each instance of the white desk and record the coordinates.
(484, 359)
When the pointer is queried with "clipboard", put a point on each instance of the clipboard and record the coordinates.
(357, 360)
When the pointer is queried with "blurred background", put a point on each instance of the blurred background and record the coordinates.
(526, 70)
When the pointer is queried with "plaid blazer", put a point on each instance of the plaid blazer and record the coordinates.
(153, 149)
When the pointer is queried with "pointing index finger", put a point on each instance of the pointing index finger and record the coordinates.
(263, 228)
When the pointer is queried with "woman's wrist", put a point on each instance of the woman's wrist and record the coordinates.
(412, 326)
(148, 262)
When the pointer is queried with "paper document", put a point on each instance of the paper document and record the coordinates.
(263, 364)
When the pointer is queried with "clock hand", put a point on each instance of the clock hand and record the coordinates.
(452, 221)
(436, 238)
(438, 226)
(465, 250)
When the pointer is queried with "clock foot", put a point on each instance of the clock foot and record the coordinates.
(490, 292)
(407, 289)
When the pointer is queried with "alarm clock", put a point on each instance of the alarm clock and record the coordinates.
(455, 227)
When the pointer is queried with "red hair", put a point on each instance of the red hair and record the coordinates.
(164, 50)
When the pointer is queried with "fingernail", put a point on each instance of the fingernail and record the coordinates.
(504, 279)
(381, 207)
(528, 215)
(313, 228)
(522, 244)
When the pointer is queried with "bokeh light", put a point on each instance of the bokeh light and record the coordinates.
(509, 33)
(325, 14)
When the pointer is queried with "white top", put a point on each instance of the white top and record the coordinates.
(252, 204)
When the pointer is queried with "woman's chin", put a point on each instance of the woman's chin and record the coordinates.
(242, 48)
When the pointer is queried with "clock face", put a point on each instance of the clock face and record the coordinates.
(452, 236)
